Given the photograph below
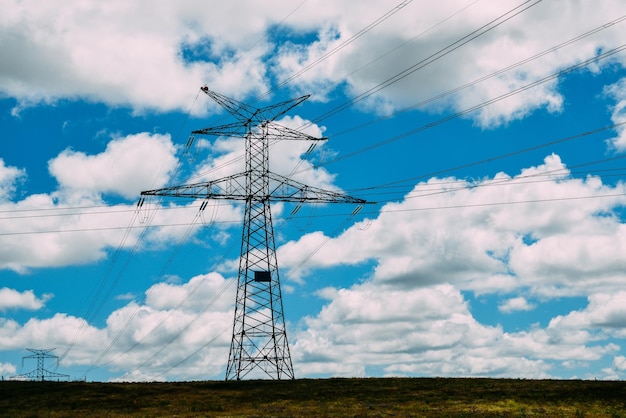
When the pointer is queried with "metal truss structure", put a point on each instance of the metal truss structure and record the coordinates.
(40, 373)
(259, 347)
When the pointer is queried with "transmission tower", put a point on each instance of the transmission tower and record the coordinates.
(259, 339)
(41, 374)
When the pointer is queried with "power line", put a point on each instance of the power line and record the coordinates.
(450, 92)
(499, 157)
(486, 77)
(339, 47)
(343, 214)
(505, 203)
(421, 64)
(266, 35)
(430, 59)
(235, 160)
(359, 190)
(435, 188)
(466, 111)
(345, 77)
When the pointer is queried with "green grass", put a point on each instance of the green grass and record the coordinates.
(398, 397)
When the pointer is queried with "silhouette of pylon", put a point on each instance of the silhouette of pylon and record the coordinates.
(40, 373)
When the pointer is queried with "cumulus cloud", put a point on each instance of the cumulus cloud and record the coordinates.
(7, 369)
(619, 362)
(617, 92)
(183, 337)
(13, 299)
(420, 32)
(429, 332)
(605, 311)
(515, 304)
(69, 226)
(127, 166)
(78, 55)
(496, 235)
(172, 49)
(8, 178)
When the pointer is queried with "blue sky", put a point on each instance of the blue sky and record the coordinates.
(489, 133)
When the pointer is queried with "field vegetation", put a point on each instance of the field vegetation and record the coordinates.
(379, 397)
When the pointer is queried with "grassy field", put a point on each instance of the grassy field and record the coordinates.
(422, 397)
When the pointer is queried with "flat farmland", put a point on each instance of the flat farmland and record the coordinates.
(374, 397)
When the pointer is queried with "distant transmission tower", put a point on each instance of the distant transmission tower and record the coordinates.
(259, 340)
(41, 373)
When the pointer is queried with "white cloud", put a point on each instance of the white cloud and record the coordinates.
(78, 56)
(8, 178)
(56, 331)
(422, 29)
(7, 369)
(13, 299)
(495, 235)
(606, 311)
(516, 304)
(193, 295)
(185, 337)
(617, 92)
(619, 363)
(127, 166)
(36, 234)
(74, 225)
(430, 332)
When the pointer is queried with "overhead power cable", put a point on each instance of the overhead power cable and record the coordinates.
(430, 59)
(430, 189)
(132, 316)
(497, 157)
(235, 160)
(339, 47)
(448, 49)
(372, 188)
(506, 203)
(456, 115)
(92, 307)
(486, 77)
(125, 327)
(266, 35)
(450, 92)
(403, 44)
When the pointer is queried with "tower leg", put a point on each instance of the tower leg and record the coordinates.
(259, 347)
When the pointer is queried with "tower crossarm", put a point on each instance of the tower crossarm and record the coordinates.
(249, 114)
(236, 129)
(229, 188)
(272, 129)
(285, 189)
(275, 111)
(239, 110)
(277, 131)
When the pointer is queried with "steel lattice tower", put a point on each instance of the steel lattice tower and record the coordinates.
(259, 340)
(40, 373)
